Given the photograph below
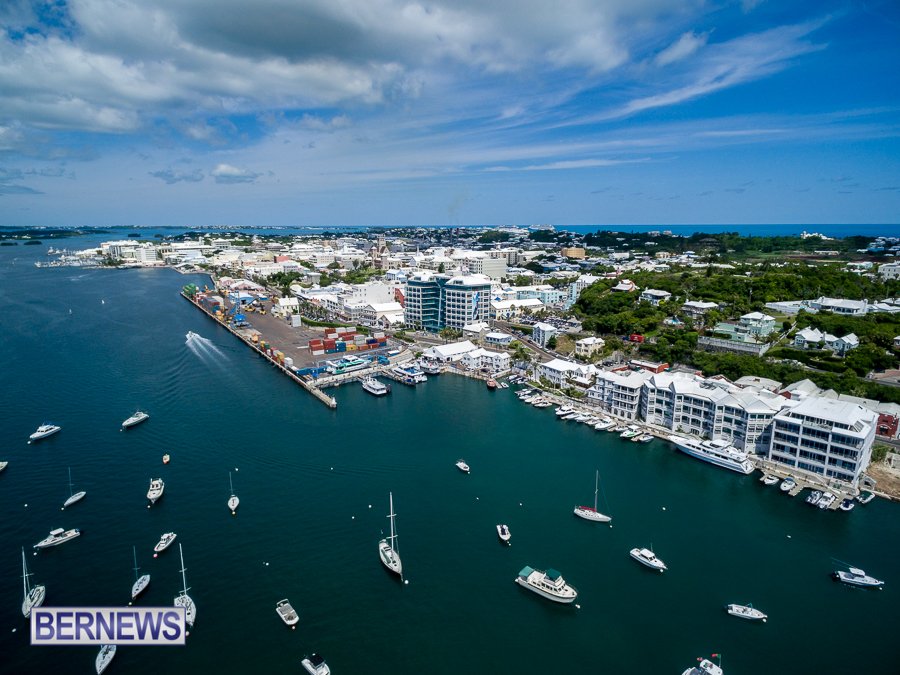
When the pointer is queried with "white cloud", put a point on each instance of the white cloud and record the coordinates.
(686, 45)
(227, 174)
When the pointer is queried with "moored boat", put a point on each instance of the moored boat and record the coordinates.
(719, 453)
(137, 418)
(462, 466)
(705, 667)
(504, 534)
(787, 484)
(140, 582)
(73, 496)
(589, 513)
(827, 500)
(164, 542)
(233, 500)
(315, 665)
(43, 431)
(865, 497)
(563, 410)
(549, 584)
(768, 479)
(747, 611)
(166, 458)
(643, 438)
(107, 652)
(286, 612)
(157, 487)
(647, 557)
(814, 497)
(183, 599)
(375, 387)
(630, 432)
(491, 383)
(847, 504)
(33, 596)
(3, 465)
(57, 537)
(388, 549)
(604, 424)
(857, 577)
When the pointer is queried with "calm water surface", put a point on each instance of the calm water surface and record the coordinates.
(314, 484)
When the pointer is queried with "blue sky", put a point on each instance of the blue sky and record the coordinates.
(386, 112)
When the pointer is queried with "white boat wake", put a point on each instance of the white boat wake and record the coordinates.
(202, 347)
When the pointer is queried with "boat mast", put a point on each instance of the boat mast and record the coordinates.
(596, 487)
(24, 574)
(136, 568)
(71, 491)
(391, 517)
(230, 484)
(183, 570)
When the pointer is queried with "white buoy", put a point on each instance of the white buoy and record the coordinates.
(664, 508)
(789, 536)
(370, 506)
(406, 582)
(26, 506)
(352, 517)
(577, 606)
(14, 630)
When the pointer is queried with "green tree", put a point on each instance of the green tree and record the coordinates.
(551, 343)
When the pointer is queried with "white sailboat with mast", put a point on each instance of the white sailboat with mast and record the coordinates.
(388, 550)
(233, 500)
(589, 513)
(73, 496)
(183, 599)
(140, 582)
(33, 595)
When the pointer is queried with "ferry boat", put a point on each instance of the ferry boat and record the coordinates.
(720, 453)
(315, 665)
(647, 557)
(549, 584)
(746, 612)
(503, 533)
(107, 652)
(157, 487)
(348, 364)
(857, 577)
(164, 542)
(57, 537)
(704, 667)
(462, 466)
(43, 431)
(286, 612)
(375, 387)
(137, 418)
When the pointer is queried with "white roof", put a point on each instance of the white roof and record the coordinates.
(452, 349)
(758, 316)
(590, 341)
(476, 327)
(699, 304)
(657, 293)
(469, 280)
(386, 306)
(561, 365)
(509, 304)
(497, 336)
(545, 327)
(834, 410)
(811, 334)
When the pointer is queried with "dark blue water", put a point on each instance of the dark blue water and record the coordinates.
(307, 476)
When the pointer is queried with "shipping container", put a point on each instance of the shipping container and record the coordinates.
(352, 347)
(318, 352)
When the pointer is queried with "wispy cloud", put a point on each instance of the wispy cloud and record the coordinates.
(686, 45)
(172, 176)
(227, 174)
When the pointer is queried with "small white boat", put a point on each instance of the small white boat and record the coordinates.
(589, 513)
(814, 497)
(315, 665)
(140, 582)
(847, 504)
(643, 438)
(549, 584)
(375, 387)
(157, 487)
(107, 652)
(603, 424)
(827, 500)
(57, 537)
(865, 497)
(768, 479)
(164, 542)
(166, 458)
(183, 599)
(43, 431)
(233, 500)
(857, 577)
(73, 496)
(746, 612)
(388, 550)
(704, 667)
(462, 466)
(647, 557)
(503, 533)
(630, 432)
(3, 465)
(787, 484)
(286, 612)
(137, 418)
(33, 596)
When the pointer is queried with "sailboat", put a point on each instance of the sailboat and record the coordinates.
(73, 496)
(140, 583)
(183, 599)
(33, 596)
(589, 513)
(388, 549)
(233, 500)
(104, 658)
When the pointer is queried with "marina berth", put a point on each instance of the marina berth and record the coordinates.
(746, 612)
(549, 584)
(57, 537)
(719, 453)
(645, 556)
(43, 431)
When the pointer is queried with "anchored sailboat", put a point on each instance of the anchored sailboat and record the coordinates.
(233, 500)
(388, 550)
(33, 596)
(140, 583)
(589, 513)
(183, 599)
(73, 496)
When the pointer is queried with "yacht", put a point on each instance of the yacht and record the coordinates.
(233, 500)
(746, 612)
(768, 479)
(183, 599)
(140, 582)
(645, 556)
(43, 431)
(787, 484)
(814, 497)
(107, 652)
(375, 387)
(643, 438)
(137, 418)
(156, 489)
(603, 424)
(388, 549)
(589, 513)
(33, 596)
(315, 665)
(503, 533)
(617, 428)
(847, 504)
(57, 537)
(630, 432)
(720, 453)
(286, 612)
(462, 466)
(826, 500)
(857, 577)
(549, 584)
(704, 667)
(164, 542)
(431, 368)
(73, 496)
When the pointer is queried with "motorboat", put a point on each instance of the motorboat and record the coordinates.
(57, 537)
(491, 383)
(814, 497)
(857, 577)
(375, 387)
(647, 557)
(847, 504)
(503, 533)
(543, 403)
(137, 418)
(33, 596)
(630, 432)
(164, 542)
(827, 500)
(3, 465)
(503, 385)
(388, 549)
(73, 496)
(549, 584)
(719, 453)
(746, 612)
(769, 479)
(787, 484)
(233, 500)
(643, 438)
(43, 431)
(104, 658)
(618, 428)
(140, 582)
(183, 599)
(604, 424)
(166, 458)
(589, 513)
(157, 487)
(315, 665)
(704, 667)
(286, 612)
(865, 497)
(462, 466)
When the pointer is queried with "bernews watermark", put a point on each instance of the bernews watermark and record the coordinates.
(107, 625)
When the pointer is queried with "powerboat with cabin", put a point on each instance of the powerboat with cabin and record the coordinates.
(503, 533)
(643, 438)
(746, 612)
(630, 432)
(827, 500)
(647, 557)
(164, 542)
(604, 424)
(462, 466)
(720, 453)
(549, 584)
(704, 667)
(865, 497)
(375, 387)
(137, 418)
(768, 479)
(57, 537)
(787, 484)
(847, 504)
(43, 431)
(857, 577)
(286, 612)
(814, 497)
(315, 665)
(157, 487)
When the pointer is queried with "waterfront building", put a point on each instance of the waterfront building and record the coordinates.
(830, 438)
(449, 353)
(587, 347)
(542, 332)
(482, 359)
(562, 373)
(618, 392)
(436, 301)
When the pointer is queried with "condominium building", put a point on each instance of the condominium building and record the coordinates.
(562, 373)
(618, 392)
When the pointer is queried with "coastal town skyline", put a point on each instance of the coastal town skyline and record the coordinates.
(202, 113)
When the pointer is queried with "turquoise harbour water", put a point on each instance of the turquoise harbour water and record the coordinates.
(307, 476)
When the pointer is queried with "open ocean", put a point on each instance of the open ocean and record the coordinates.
(314, 489)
